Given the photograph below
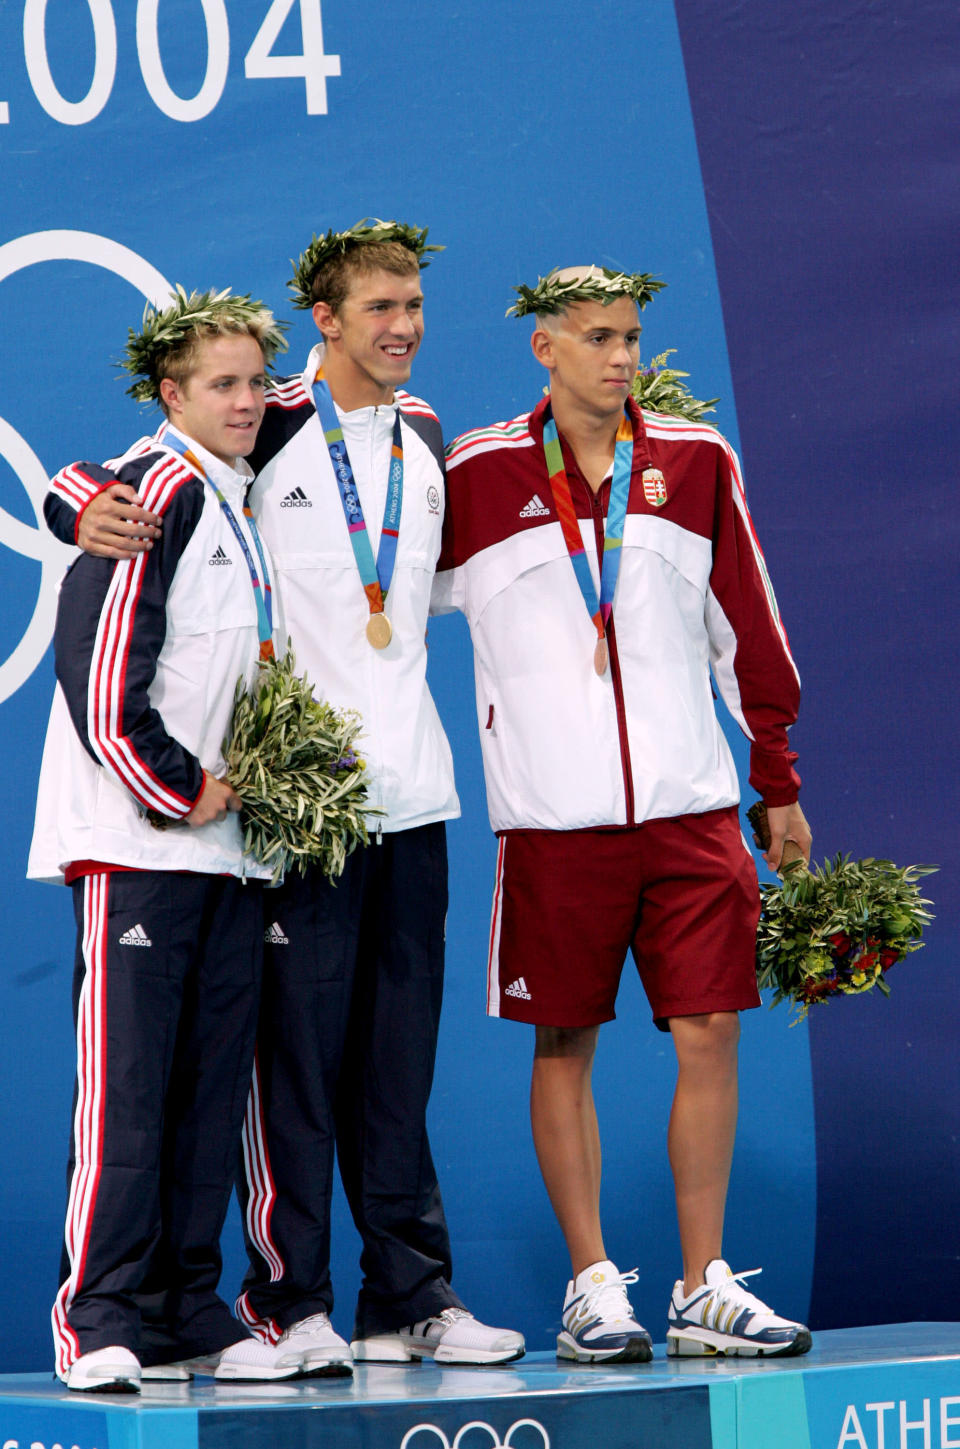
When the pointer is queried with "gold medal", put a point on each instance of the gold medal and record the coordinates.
(379, 631)
(601, 657)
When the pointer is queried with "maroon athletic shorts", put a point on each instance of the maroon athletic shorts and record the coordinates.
(681, 894)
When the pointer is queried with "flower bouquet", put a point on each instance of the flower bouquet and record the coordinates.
(837, 930)
(293, 763)
(661, 389)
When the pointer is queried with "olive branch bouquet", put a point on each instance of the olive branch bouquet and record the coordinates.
(837, 930)
(293, 762)
(661, 389)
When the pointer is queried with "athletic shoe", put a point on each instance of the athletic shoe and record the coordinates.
(112, 1370)
(453, 1336)
(166, 1373)
(251, 1361)
(598, 1322)
(316, 1347)
(722, 1317)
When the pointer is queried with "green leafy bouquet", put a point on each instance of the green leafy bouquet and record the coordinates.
(837, 930)
(293, 762)
(661, 389)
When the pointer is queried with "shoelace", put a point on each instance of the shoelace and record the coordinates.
(612, 1293)
(315, 1321)
(451, 1314)
(731, 1292)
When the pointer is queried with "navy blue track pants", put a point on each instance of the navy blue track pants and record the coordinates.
(166, 990)
(353, 979)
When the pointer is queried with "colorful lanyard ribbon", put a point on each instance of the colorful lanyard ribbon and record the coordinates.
(598, 609)
(263, 596)
(375, 577)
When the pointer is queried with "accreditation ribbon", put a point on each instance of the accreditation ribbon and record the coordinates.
(600, 608)
(376, 577)
(262, 592)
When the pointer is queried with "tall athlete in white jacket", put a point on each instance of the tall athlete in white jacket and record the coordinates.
(353, 974)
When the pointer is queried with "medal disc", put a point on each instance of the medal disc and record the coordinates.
(601, 657)
(379, 631)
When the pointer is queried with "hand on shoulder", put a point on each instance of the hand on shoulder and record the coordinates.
(113, 524)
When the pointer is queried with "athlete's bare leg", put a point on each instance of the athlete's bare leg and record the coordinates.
(703, 1123)
(567, 1138)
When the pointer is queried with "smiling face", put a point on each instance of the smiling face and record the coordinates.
(372, 337)
(591, 353)
(220, 403)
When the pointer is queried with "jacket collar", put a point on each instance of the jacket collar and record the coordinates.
(641, 446)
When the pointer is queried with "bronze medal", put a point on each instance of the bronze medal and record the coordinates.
(379, 631)
(601, 657)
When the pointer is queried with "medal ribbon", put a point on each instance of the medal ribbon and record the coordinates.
(375, 577)
(262, 595)
(598, 609)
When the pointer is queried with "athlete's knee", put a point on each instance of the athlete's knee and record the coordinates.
(707, 1039)
(565, 1041)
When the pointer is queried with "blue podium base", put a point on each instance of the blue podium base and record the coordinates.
(890, 1387)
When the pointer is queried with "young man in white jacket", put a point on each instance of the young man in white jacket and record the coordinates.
(349, 494)
(605, 561)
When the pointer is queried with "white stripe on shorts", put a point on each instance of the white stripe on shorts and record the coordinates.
(496, 917)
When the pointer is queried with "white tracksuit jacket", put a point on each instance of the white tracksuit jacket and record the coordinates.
(148, 654)
(296, 502)
(563, 748)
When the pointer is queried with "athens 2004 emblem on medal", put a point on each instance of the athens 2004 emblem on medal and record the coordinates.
(654, 487)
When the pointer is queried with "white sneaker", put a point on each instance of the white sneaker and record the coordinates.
(598, 1321)
(167, 1373)
(452, 1336)
(316, 1347)
(251, 1361)
(722, 1317)
(113, 1370)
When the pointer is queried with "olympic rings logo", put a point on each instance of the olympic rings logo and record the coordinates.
(458, 1443)
(37, 542)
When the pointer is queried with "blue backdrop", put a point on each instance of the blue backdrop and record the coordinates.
(787, 173)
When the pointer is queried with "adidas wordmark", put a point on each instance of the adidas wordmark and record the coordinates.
(274, 936)
(518, 988)
(136, 936)
(536, 508)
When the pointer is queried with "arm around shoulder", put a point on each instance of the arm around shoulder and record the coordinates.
(91, 506)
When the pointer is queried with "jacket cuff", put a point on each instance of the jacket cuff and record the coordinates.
(773, 777)
(86, 504)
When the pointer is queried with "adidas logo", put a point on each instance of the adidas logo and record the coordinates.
(136, 936)
(296, 499)
(219, 558)
(274, 936)
(518, 988)
(535, 508)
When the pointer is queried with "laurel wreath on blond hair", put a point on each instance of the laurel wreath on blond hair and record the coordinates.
(337, 243)
(165, 329)
(551, 295)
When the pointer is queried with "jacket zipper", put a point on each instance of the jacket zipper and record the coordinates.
(616, 679)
